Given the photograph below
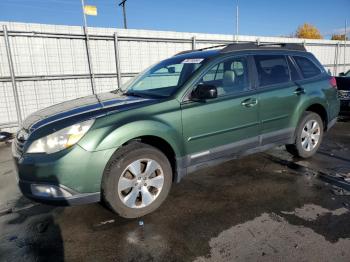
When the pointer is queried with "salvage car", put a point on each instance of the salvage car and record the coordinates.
(196, 109)
(343, 84)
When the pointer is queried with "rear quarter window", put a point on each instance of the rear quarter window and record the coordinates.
(307, 68)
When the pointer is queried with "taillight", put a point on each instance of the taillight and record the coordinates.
(333, 82)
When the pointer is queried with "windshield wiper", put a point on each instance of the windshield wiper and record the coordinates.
(117, 91)
(144, 94)
(131, 93)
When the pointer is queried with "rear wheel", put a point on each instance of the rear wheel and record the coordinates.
(137, 180)
(308, 136)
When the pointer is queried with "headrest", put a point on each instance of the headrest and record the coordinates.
(229, 78)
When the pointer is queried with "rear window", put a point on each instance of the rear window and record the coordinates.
(307, 67)
(272, 69)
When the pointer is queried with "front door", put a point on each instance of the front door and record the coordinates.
(228, 124)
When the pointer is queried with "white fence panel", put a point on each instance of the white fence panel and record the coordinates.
(51, 64)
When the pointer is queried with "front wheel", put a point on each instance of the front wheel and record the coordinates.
(137, 180)
(308, 136)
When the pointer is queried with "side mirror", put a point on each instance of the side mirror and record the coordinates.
(342, 74)
(203, 92)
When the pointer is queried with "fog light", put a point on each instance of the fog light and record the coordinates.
(41, 190)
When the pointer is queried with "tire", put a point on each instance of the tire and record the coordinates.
(127, 185)
(306, 143)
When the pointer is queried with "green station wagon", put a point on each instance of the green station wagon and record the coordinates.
(193, 110)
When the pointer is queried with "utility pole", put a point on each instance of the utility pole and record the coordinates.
(237, 20)
(122, 4)
(346, 24)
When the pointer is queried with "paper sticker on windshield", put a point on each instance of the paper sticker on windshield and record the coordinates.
(192, 61)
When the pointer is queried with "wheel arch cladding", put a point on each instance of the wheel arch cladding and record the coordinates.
(316, 105)
(321, 111)
(162, 145)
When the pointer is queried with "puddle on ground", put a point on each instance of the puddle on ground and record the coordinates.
(270, 237)
(311, 212)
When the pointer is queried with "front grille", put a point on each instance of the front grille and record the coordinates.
(344, 94)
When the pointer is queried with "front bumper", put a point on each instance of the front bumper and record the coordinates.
(344, 107)
(74, 198)
(69, 177)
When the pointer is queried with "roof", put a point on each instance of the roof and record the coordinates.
(199, 53)
(210, 51)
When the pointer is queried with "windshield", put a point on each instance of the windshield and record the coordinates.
(165, 78)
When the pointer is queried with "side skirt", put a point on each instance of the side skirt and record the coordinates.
(191, 163)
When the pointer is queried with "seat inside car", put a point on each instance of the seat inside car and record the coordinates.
(278, 74)
(228, 82)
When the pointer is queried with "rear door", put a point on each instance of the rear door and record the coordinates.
(225, 125)
(278, 97)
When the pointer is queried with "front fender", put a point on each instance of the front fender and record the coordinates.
(122, 134)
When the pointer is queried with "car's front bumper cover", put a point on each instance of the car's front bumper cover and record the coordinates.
(69, 177)
(70, 198)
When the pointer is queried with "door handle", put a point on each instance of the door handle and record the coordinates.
(299, 91)
(249, 102)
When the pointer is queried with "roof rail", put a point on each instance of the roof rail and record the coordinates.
(202, 49)
(250, 45)
(253, 45)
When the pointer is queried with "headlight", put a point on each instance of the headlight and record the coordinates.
(61, 139)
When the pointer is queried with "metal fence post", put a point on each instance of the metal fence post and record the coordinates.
(88, 52)
(13, 77)
(336, 59)
(194, 43)
(117, 59)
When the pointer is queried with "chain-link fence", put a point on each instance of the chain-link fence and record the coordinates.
(41, 65)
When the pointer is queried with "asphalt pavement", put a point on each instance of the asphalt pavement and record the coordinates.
(264, 207)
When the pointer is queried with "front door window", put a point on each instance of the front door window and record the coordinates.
(229, 76)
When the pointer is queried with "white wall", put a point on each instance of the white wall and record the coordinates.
(38, 56)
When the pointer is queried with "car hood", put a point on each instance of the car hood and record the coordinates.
(90, 106)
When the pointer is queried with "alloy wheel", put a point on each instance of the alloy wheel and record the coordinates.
(140, 183)
(310, 135)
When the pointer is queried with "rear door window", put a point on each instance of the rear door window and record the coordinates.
(307, 67)
(272, 69)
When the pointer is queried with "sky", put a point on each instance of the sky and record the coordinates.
(268, 18)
